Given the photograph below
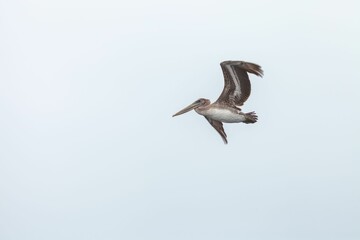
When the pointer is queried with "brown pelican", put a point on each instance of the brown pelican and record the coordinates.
(236, 91)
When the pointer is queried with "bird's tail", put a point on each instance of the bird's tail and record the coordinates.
(250, 117)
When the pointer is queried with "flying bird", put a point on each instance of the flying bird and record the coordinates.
(226, 109)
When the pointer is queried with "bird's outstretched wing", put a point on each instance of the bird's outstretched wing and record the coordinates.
(237, 86)
(218, 127)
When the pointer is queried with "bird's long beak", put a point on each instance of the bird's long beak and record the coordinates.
(188, 108)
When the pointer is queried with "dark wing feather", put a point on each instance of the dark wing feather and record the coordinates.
(237, 85)
(218, 126)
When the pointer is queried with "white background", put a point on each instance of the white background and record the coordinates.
(89, 150)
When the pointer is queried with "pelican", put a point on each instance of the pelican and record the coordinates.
(226, 109)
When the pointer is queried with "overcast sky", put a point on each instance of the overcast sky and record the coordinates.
(89, 150)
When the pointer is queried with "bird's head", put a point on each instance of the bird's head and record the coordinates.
(194, 105)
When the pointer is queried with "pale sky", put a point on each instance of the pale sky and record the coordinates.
(89, 150)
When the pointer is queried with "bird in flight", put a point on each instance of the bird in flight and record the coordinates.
(226, 109)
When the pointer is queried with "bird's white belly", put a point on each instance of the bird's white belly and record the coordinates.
(224, 115)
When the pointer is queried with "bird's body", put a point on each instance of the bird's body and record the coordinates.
(222, 113)
(236, 91)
